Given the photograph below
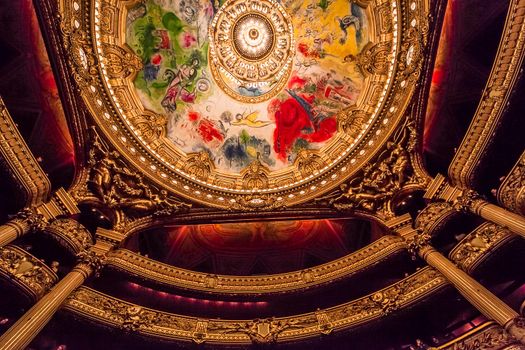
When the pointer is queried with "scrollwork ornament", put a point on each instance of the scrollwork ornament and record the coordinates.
(474, 246)
(493, 337)
(71, 230)
(120, 62)
(255, 202)
(373, 59)
(83, 59)
(123, 190)
(26, 269)
(516, 328)
(430, 215)
(308, 163)
(379, 182)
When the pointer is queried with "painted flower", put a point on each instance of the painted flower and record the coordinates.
(187, 40)
(156, 59)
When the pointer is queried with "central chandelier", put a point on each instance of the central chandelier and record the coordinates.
(251, 49)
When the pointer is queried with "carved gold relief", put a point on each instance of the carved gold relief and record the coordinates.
(488, 336)
(469, 253)
(121, 62)
(309, 163)
(123, 190)
(255, 176)
(373, 189)
(27, 271)
(373, 59)
(117, 313)
(511, 193)
(199, 165)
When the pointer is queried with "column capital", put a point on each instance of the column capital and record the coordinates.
(419, 244)
(468, 201)
(35, 221)
(89, 262)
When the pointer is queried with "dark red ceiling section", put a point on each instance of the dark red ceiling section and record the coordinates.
(469, 42)
(265, 247)
(29, 90)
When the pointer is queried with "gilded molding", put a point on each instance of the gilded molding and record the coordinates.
(70, 234)
(111, 311)
(434, 216)
(20, 162)
(25, 271)
(380, 180)
(505, 71)
(488, 336)
(511, 193)
(173, 277)
(477, 245)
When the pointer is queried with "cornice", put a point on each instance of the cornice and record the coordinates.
(26, 272)
(106, 310)
(505, 72)
(168, 276)
(20, 162)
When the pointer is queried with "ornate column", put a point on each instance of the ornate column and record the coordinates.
(469, 201)
(37, 218)
(32, 322)
(89, 262)
(480, 297)
(23, 222)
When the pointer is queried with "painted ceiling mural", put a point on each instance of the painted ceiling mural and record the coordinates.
(245, 81)
(249, 105)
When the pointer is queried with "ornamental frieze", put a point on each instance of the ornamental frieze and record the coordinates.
(478, 244)
(113, 312)
(26, 271)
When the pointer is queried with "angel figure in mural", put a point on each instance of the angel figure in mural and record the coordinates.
(179, 81)
(353, 19)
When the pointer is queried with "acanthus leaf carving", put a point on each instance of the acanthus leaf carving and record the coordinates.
(255, 176)
(28, 270)
(308, 162)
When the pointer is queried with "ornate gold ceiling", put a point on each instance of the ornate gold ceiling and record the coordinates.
(247, 105)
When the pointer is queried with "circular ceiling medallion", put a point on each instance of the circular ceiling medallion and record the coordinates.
(251, 49)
